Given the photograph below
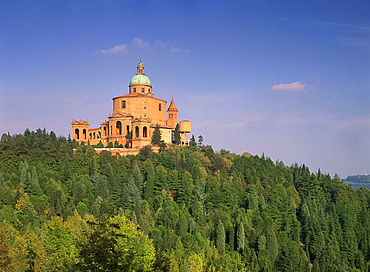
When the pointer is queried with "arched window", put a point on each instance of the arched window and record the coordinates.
(105, 131)
(94, 135)
(123, 104)
(118, 128)
(145, 132)
(98, 135)
(134, 90)
(84, 133)
(160, 106)
(77, 133)
(137, 131)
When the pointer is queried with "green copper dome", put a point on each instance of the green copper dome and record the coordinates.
(141, 79)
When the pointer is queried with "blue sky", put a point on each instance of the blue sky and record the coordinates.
(290, 79)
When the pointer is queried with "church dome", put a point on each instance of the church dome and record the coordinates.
(140, 79)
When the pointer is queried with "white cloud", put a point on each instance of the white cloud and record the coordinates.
(142, 44)
(179, 50)
(115, 50)
(294, 86)
(160, 44)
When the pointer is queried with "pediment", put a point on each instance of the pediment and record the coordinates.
(141, 119)
(80, 122)
(120, 115)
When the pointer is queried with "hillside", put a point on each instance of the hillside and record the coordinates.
(183, 209)
(358, 181)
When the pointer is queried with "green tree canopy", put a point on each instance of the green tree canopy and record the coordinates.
(156, 136)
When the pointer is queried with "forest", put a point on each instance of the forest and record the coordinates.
(63, 207)
(358, 181)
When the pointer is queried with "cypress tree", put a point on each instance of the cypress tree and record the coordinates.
(133, 195)
(173, 180)
(160, 181)
(184, 191)
(232, 238)
(220, 242)
(149, 185)
(97, 205)
(261, 243)
(138, 177)
(176, 135)
(111, 178)
(24, 176)
(134, 218)
(99, 183)
(183, 225)
(36, 189)
(192, 141)
(200, 140)
(156, 137)
(240, 237)
(272, 244)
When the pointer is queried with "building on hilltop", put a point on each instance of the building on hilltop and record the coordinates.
(133, 119)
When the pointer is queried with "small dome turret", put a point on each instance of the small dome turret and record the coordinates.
(140, 82)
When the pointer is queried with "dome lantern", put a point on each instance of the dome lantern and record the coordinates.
(140, 68)
(140, 83)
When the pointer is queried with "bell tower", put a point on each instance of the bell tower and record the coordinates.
(172, 112)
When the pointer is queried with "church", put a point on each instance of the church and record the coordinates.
(133, 120)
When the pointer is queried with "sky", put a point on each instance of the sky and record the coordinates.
(287, 79)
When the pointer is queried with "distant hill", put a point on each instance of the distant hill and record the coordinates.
(358, 181)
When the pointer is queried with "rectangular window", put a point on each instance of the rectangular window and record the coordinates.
(160, 107)
(134, 90)
(142, 90)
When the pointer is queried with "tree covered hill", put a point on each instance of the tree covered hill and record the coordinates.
(358, 181)
(183, 209)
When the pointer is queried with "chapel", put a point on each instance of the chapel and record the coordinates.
(133, 119)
